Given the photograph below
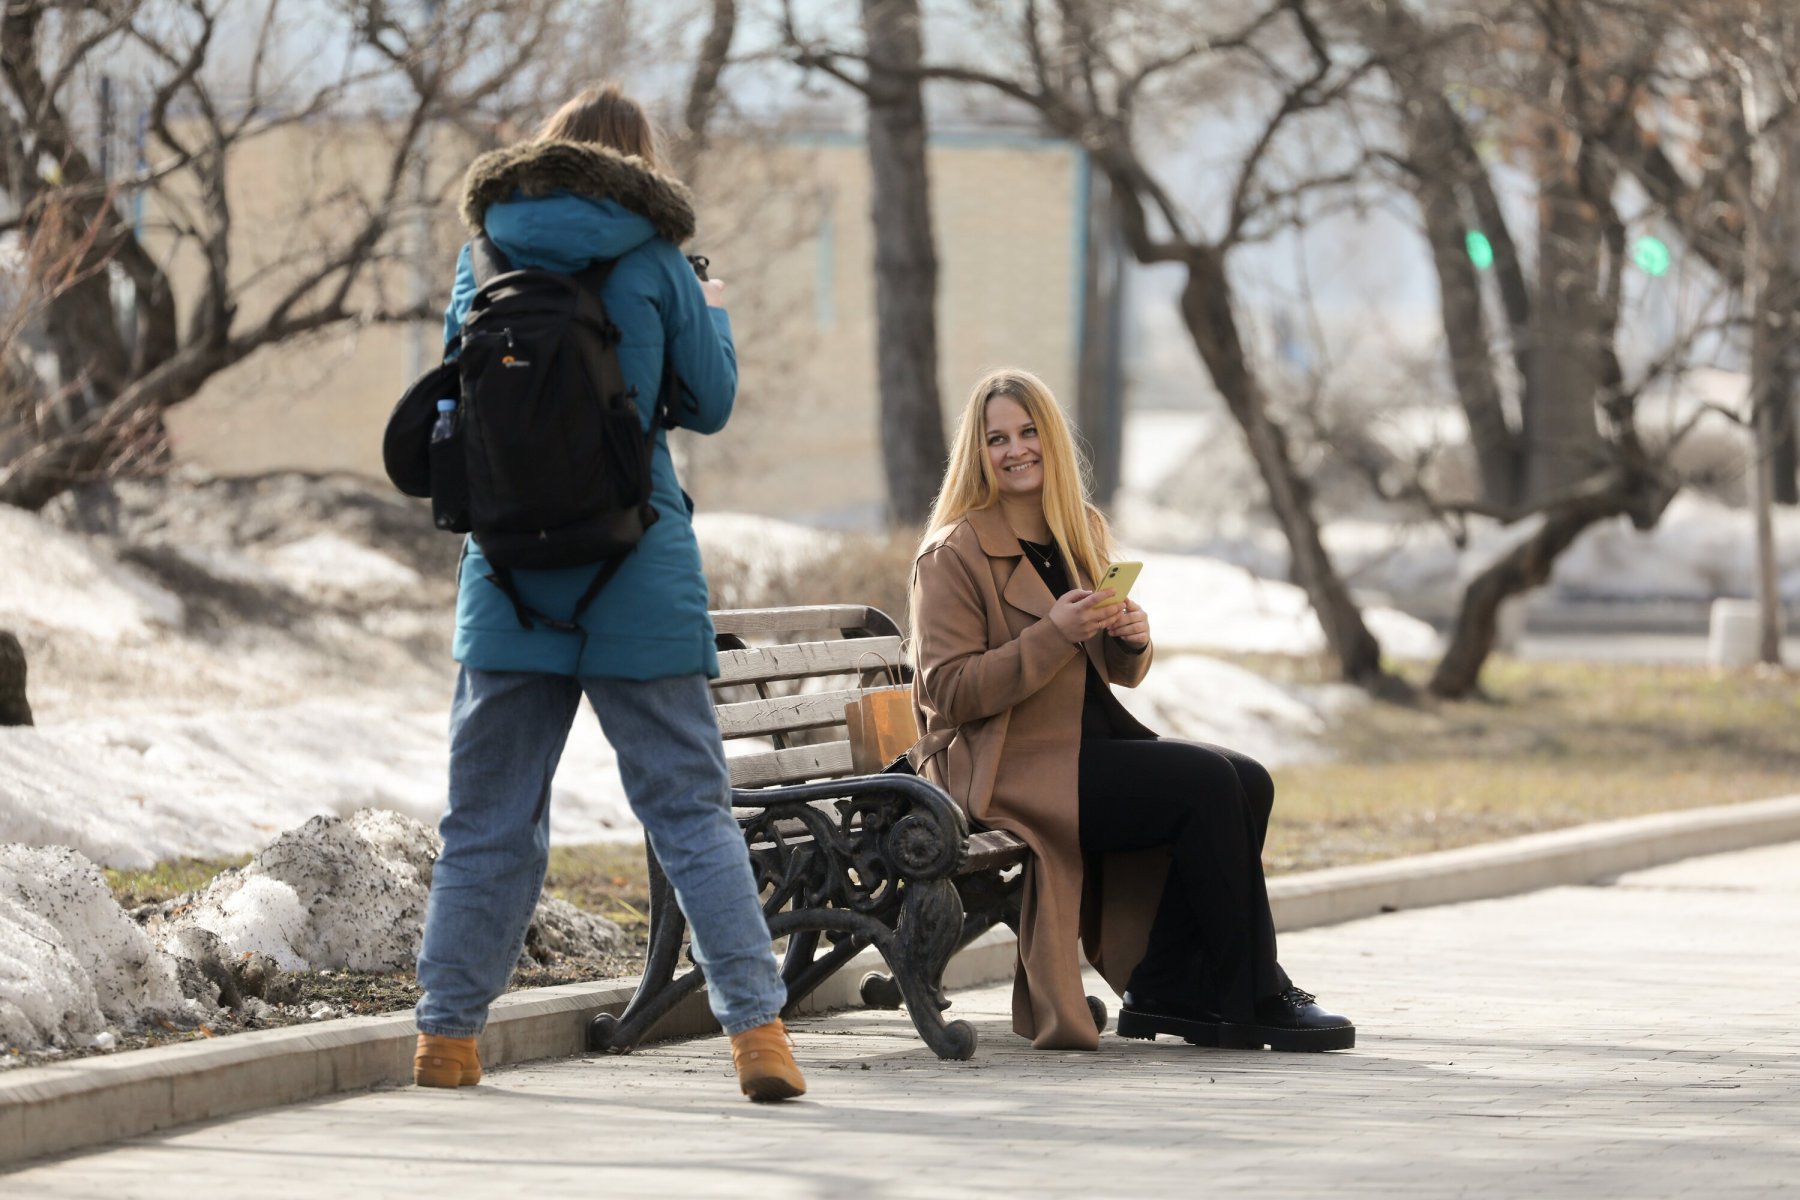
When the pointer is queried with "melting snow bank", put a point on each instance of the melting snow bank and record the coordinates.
(1201, 699)
(336, 893)
(300, 667)
(1700, 551)
(71, 962)
(130, 792)
(1203, 604)
(350, 894)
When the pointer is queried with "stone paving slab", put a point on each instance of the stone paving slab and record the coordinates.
(1631, 1040)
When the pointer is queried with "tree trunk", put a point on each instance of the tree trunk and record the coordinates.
(13, 707)
(1770, 296)
(1448, 180)
(912, 422)
(703, 91)
(1786, 463)
(130, 426)
(1775, 336)
(1495, 446)
(1206, 310)
(1561, 433)
(1524, 567)
(1100, 394)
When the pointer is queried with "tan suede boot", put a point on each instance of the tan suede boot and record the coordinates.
(446, 1062)
(764, 1058)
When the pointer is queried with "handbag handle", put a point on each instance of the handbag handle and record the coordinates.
(892, 668)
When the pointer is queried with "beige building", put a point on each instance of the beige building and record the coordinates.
(787, 226)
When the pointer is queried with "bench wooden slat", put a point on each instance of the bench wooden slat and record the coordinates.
(784, 714)
(993, 848)
(791, 620)
(765, 664)
(795, 765)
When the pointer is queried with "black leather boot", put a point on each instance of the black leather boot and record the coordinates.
(1146, 1016)
(1289, 1020)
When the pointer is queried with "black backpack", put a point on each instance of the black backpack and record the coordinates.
(544, 457)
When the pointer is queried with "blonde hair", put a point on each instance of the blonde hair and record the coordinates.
(969, 484)
(604, 114)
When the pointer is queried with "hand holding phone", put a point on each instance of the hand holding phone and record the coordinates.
(1118, 579)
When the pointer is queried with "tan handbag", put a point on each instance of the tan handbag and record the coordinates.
(880, 724)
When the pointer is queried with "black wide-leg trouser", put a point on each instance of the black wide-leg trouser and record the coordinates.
(1213, 940)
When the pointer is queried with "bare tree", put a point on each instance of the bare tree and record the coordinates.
(913, 448)
(1553, 423)
(1769, 70)
(1591, 107)
(704, 89)
(205, 293)
(1695, 154)
(906, 269)
(1083, 68)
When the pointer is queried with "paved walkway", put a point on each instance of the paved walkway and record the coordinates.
(1635, 1040)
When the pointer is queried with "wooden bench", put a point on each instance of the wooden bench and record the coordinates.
(844, 861)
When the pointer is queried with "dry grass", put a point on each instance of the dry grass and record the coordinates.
(608, 878)
(1552, 744)
(866, 569)
(166, 880)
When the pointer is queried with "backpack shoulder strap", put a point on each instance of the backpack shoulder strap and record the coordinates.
(594, 276)
(487, 259)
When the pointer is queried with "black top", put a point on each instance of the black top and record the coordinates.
(1096, 716)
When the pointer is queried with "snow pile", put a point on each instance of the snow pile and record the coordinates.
(1700, 550)
(1199, 604)
(72, 963)
(328, 563)
(335, 892)
(129, 792)
(348, 893)
(1201, 699)
(59, 581)
(304, 668)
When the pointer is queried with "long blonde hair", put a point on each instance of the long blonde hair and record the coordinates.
(970, 484)
(604, 114)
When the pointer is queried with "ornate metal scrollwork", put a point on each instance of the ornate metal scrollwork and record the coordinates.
(864, 861)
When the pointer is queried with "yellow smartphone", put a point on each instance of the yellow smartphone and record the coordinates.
(1119, 577)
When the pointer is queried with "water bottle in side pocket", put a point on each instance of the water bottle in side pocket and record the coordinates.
(449, 471)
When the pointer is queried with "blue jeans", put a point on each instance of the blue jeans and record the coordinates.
(507, 731)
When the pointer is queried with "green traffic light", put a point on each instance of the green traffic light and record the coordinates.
(1652, 256)
(1481, 251)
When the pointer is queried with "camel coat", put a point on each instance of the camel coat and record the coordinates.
(998, 693)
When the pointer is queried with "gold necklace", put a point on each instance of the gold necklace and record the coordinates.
(1037, 555)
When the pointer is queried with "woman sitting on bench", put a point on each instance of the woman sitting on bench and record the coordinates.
(1148, 849)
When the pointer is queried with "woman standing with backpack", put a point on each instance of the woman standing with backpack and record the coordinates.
(586, 190)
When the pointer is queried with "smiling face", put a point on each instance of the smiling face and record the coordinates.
(1012, 448)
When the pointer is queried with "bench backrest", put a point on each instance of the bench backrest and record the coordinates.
(832, 652)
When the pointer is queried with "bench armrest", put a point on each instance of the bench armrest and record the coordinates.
(923, 831)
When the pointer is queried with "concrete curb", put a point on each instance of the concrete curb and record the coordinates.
(49, 1110)
(89, 1101)
(1580, 854)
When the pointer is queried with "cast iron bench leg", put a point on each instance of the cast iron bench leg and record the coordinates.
(658, 991)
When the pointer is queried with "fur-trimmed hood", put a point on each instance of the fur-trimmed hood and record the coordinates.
(541, 168)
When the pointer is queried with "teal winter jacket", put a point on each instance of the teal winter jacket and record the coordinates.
(562, 206)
